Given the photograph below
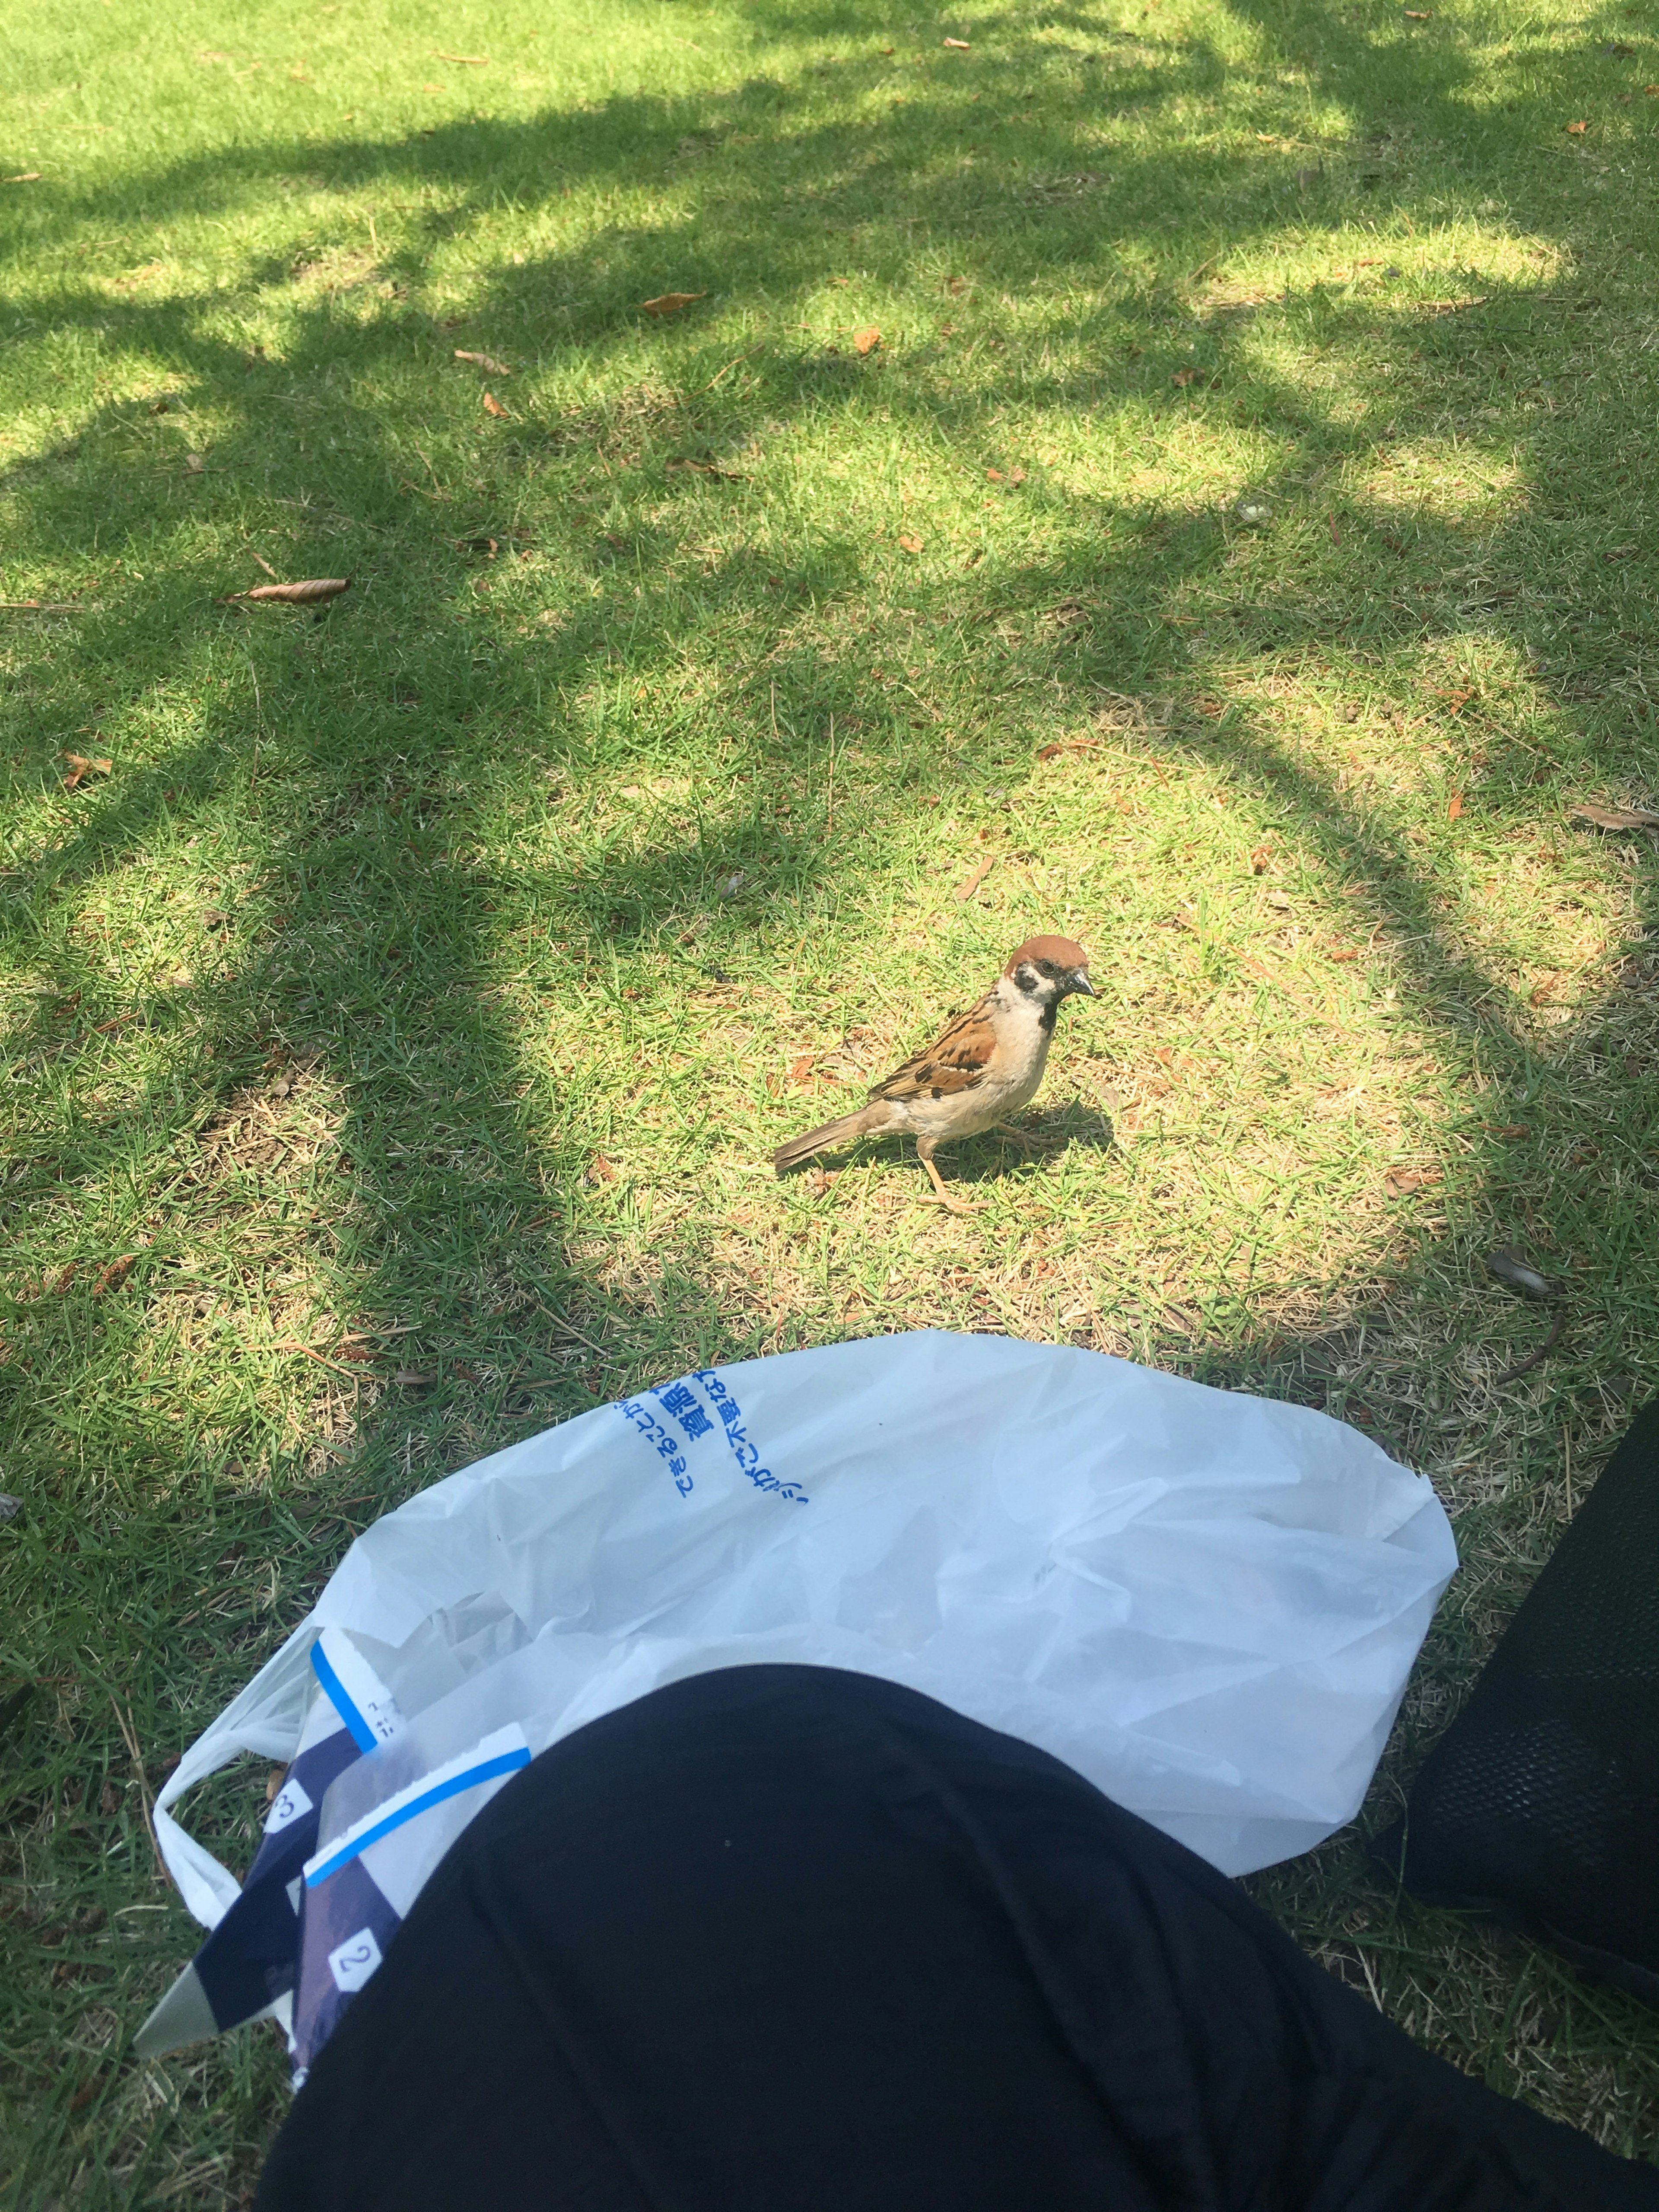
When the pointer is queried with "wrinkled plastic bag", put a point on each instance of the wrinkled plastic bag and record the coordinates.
(1206, 1602)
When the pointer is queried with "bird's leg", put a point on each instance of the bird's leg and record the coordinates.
(942, 1197)
(1028, 1143)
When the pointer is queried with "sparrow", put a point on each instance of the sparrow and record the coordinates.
(984, 1065)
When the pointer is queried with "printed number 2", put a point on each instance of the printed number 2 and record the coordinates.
(354, 1960)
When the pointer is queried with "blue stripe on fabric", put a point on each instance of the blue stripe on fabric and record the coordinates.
(361, 1735)
(505, 1762)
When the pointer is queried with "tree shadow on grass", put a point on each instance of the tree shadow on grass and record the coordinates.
(350, 779)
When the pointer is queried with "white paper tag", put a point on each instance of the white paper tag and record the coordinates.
(289, 1803)
(352, 1962)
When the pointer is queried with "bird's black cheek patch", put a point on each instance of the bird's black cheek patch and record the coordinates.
(937, 1093)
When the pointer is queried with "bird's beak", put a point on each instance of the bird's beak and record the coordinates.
(1080, 982)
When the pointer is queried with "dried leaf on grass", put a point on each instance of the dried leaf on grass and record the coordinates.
(81, 765)
(1539, 991)
(800, 1069)
(670, 303)
(411, 1378)
(1454, 807)
(1577, 130)
(274, 1781)
(486, 361)
(493, 406)
(599, 1170)
(866, 340)
(1616, 817)
(306, 594)
(1402, 1181)
(24, 177)
(908, 544)
(1062, 745)
(706, 468)
(112, 1277)
(961, 45)
(471, 61)
(972, 882)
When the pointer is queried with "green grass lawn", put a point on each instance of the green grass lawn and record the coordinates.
(397, 1027)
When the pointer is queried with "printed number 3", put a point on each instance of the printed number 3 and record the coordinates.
(354, 1960)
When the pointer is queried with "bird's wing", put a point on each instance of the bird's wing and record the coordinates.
(956, 1060)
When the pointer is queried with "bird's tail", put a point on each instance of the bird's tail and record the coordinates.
(832, 1134)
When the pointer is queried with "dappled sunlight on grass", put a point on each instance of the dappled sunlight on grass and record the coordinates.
(1192, 461)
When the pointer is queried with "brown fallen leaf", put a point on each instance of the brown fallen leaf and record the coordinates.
(112, 1277)
(1260, 860)
(1419, 14)
(1577, 130)
(909, 544)
(24, 177)
(1539, 991)
(1342, 952)
(1454, 807)
(1616, 817)
(961, 45)
(599, 1170)
(972, 882)
(1183, 376)
(195, 466)
(464, 1374)
(1507, 1128)
(1402, 1181)
(1335, 529)
(274, 1781)
(800, 1069)
(294, 595)
(493, 406)
(486, 361)
(670, 303)
(706, 468)
(866, 340)
(80, 766)
(67, 1276)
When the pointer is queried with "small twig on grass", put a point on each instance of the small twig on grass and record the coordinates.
(1535, 1359)
(130, 1737)
(719, 373)
(293, 1344)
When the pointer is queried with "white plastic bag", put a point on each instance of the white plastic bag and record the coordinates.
(1207, 1603)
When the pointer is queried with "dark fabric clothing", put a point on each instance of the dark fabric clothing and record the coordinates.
(788, 1940)
(1541, 1801)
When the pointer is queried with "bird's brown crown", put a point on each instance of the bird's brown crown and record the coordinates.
(1061, 950)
